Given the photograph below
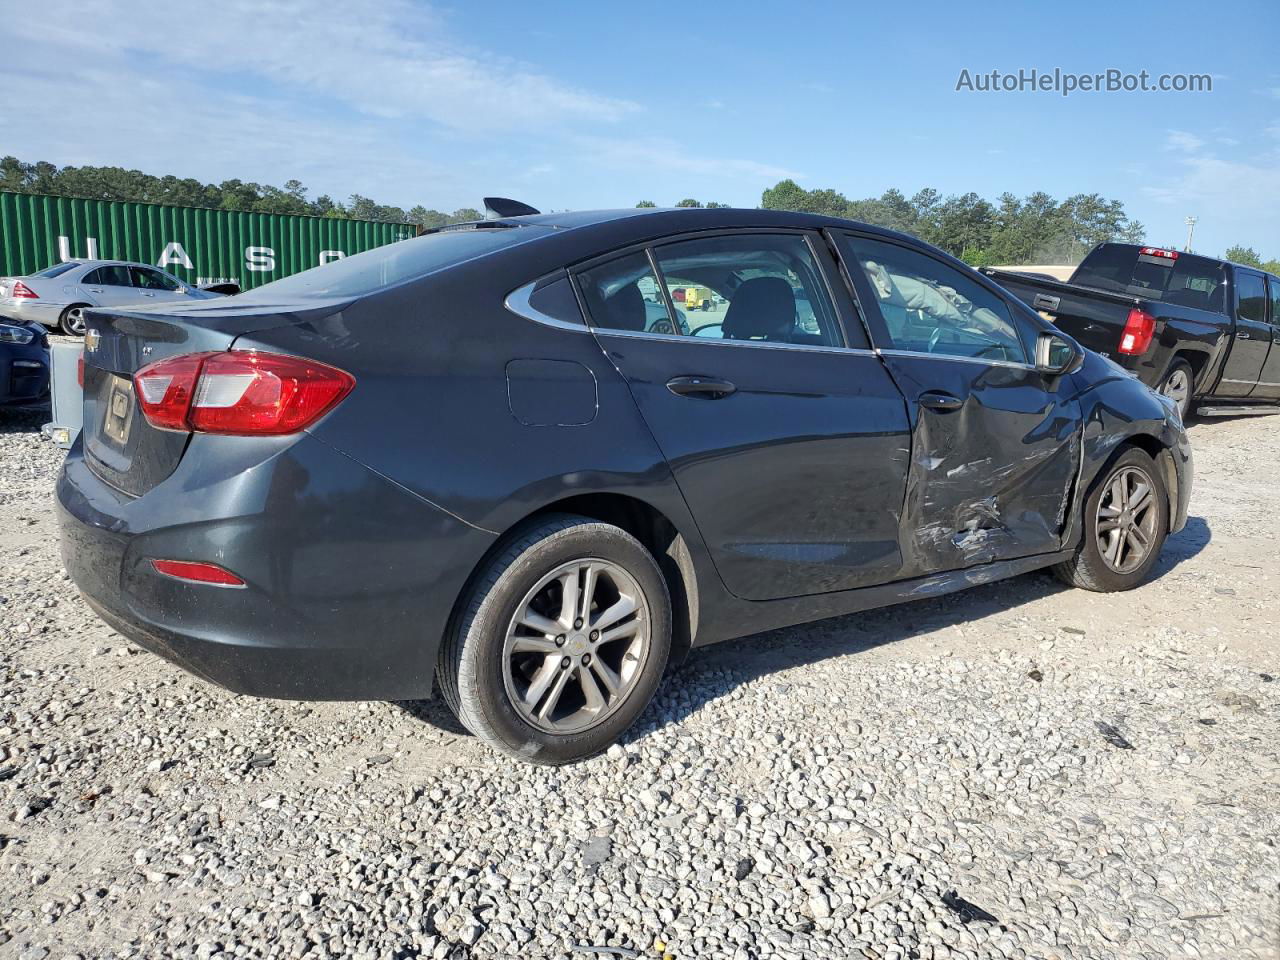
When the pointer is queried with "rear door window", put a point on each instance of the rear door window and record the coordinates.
(1155, 274)
(1274, 284)
(623, 294)
(1251, 293)
(751, 287)
(116, 276)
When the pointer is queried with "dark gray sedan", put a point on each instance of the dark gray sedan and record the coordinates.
(476, 461)
(57, 296)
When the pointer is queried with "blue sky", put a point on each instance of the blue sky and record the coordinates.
(576, 105)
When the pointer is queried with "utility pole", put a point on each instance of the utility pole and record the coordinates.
(1191, 229)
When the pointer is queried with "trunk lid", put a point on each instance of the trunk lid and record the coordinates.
(120, 446)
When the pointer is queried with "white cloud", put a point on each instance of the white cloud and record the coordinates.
(1183, 141)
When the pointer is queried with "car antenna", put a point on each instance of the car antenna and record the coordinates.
(497, 207)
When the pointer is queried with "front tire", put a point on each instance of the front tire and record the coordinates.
(1126, 521)
(561, 643)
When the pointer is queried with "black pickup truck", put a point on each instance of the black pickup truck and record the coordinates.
(1204, 332)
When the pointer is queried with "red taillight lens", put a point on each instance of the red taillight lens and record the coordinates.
(240, 392)
(197, 572)
(22, 292)
(80, 370)
(1138, 331)
(165, 388)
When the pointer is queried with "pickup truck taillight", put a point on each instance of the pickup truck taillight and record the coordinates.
(1138, 331)
(239, 391)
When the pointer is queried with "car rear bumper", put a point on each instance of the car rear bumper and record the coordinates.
(40, 311)
(350, 580)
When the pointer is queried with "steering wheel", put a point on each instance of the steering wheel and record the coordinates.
(710, 330)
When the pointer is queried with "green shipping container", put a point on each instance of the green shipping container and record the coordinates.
(196, 245)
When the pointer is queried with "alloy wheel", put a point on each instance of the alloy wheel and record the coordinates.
(1127, 520)
(1178, 389)
(75, 321)
(576, 646)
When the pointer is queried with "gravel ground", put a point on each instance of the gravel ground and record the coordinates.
(1019, 771)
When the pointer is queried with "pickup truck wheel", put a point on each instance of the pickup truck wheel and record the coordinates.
(1177, 385)
(562, 642)
(1126, 520)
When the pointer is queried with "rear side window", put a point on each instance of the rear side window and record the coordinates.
(623, 294)
(57, 270)
(386, 266)
(109, 277)
(1251, 292)
(1166, 275)
(1274, 284)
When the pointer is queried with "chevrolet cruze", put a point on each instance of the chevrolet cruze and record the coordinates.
(473, 462)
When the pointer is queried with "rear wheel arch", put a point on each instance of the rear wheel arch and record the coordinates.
(643, 521)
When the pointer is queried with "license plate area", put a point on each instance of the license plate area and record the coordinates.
(117, 419)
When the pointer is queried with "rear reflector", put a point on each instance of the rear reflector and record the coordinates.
(1139, 328)
(197, 572)
(22, 292)
(239, 392)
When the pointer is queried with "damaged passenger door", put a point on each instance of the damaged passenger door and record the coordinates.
(995, 446)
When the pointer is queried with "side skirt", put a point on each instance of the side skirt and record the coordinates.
(744, 618)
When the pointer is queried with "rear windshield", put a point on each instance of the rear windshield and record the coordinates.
(57, 270)
(1181, 278)
(364, 273)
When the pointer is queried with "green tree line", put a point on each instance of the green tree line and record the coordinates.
(117, 183)
(1012, 230)
(1249, 256)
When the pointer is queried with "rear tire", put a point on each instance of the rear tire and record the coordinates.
(524, 668)
(1124, 529)
(71, 321)
(1178, 385)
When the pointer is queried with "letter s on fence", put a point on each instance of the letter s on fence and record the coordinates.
(259, 259)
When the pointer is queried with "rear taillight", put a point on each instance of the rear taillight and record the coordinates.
(21, 291)
(1139, 328)
(239, 391)
(80, 369)
(197, 572)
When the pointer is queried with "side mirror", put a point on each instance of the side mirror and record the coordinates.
(184, 290)
(1056, 354)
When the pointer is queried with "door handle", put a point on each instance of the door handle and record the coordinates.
(937, 400)
(706, 388)
(1244, 335)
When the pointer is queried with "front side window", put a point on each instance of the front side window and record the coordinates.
(153, 279)
(753, 287)
(930, 307)
(1252, 292)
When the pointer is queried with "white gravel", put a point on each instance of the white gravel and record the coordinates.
(1019, 771)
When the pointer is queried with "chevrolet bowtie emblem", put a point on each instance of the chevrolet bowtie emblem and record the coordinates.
(91, 339)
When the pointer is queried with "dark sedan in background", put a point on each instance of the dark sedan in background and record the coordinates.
(473, 460)
(24, 364)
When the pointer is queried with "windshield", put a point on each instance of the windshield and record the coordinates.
(1167, 275)
(386, 266)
